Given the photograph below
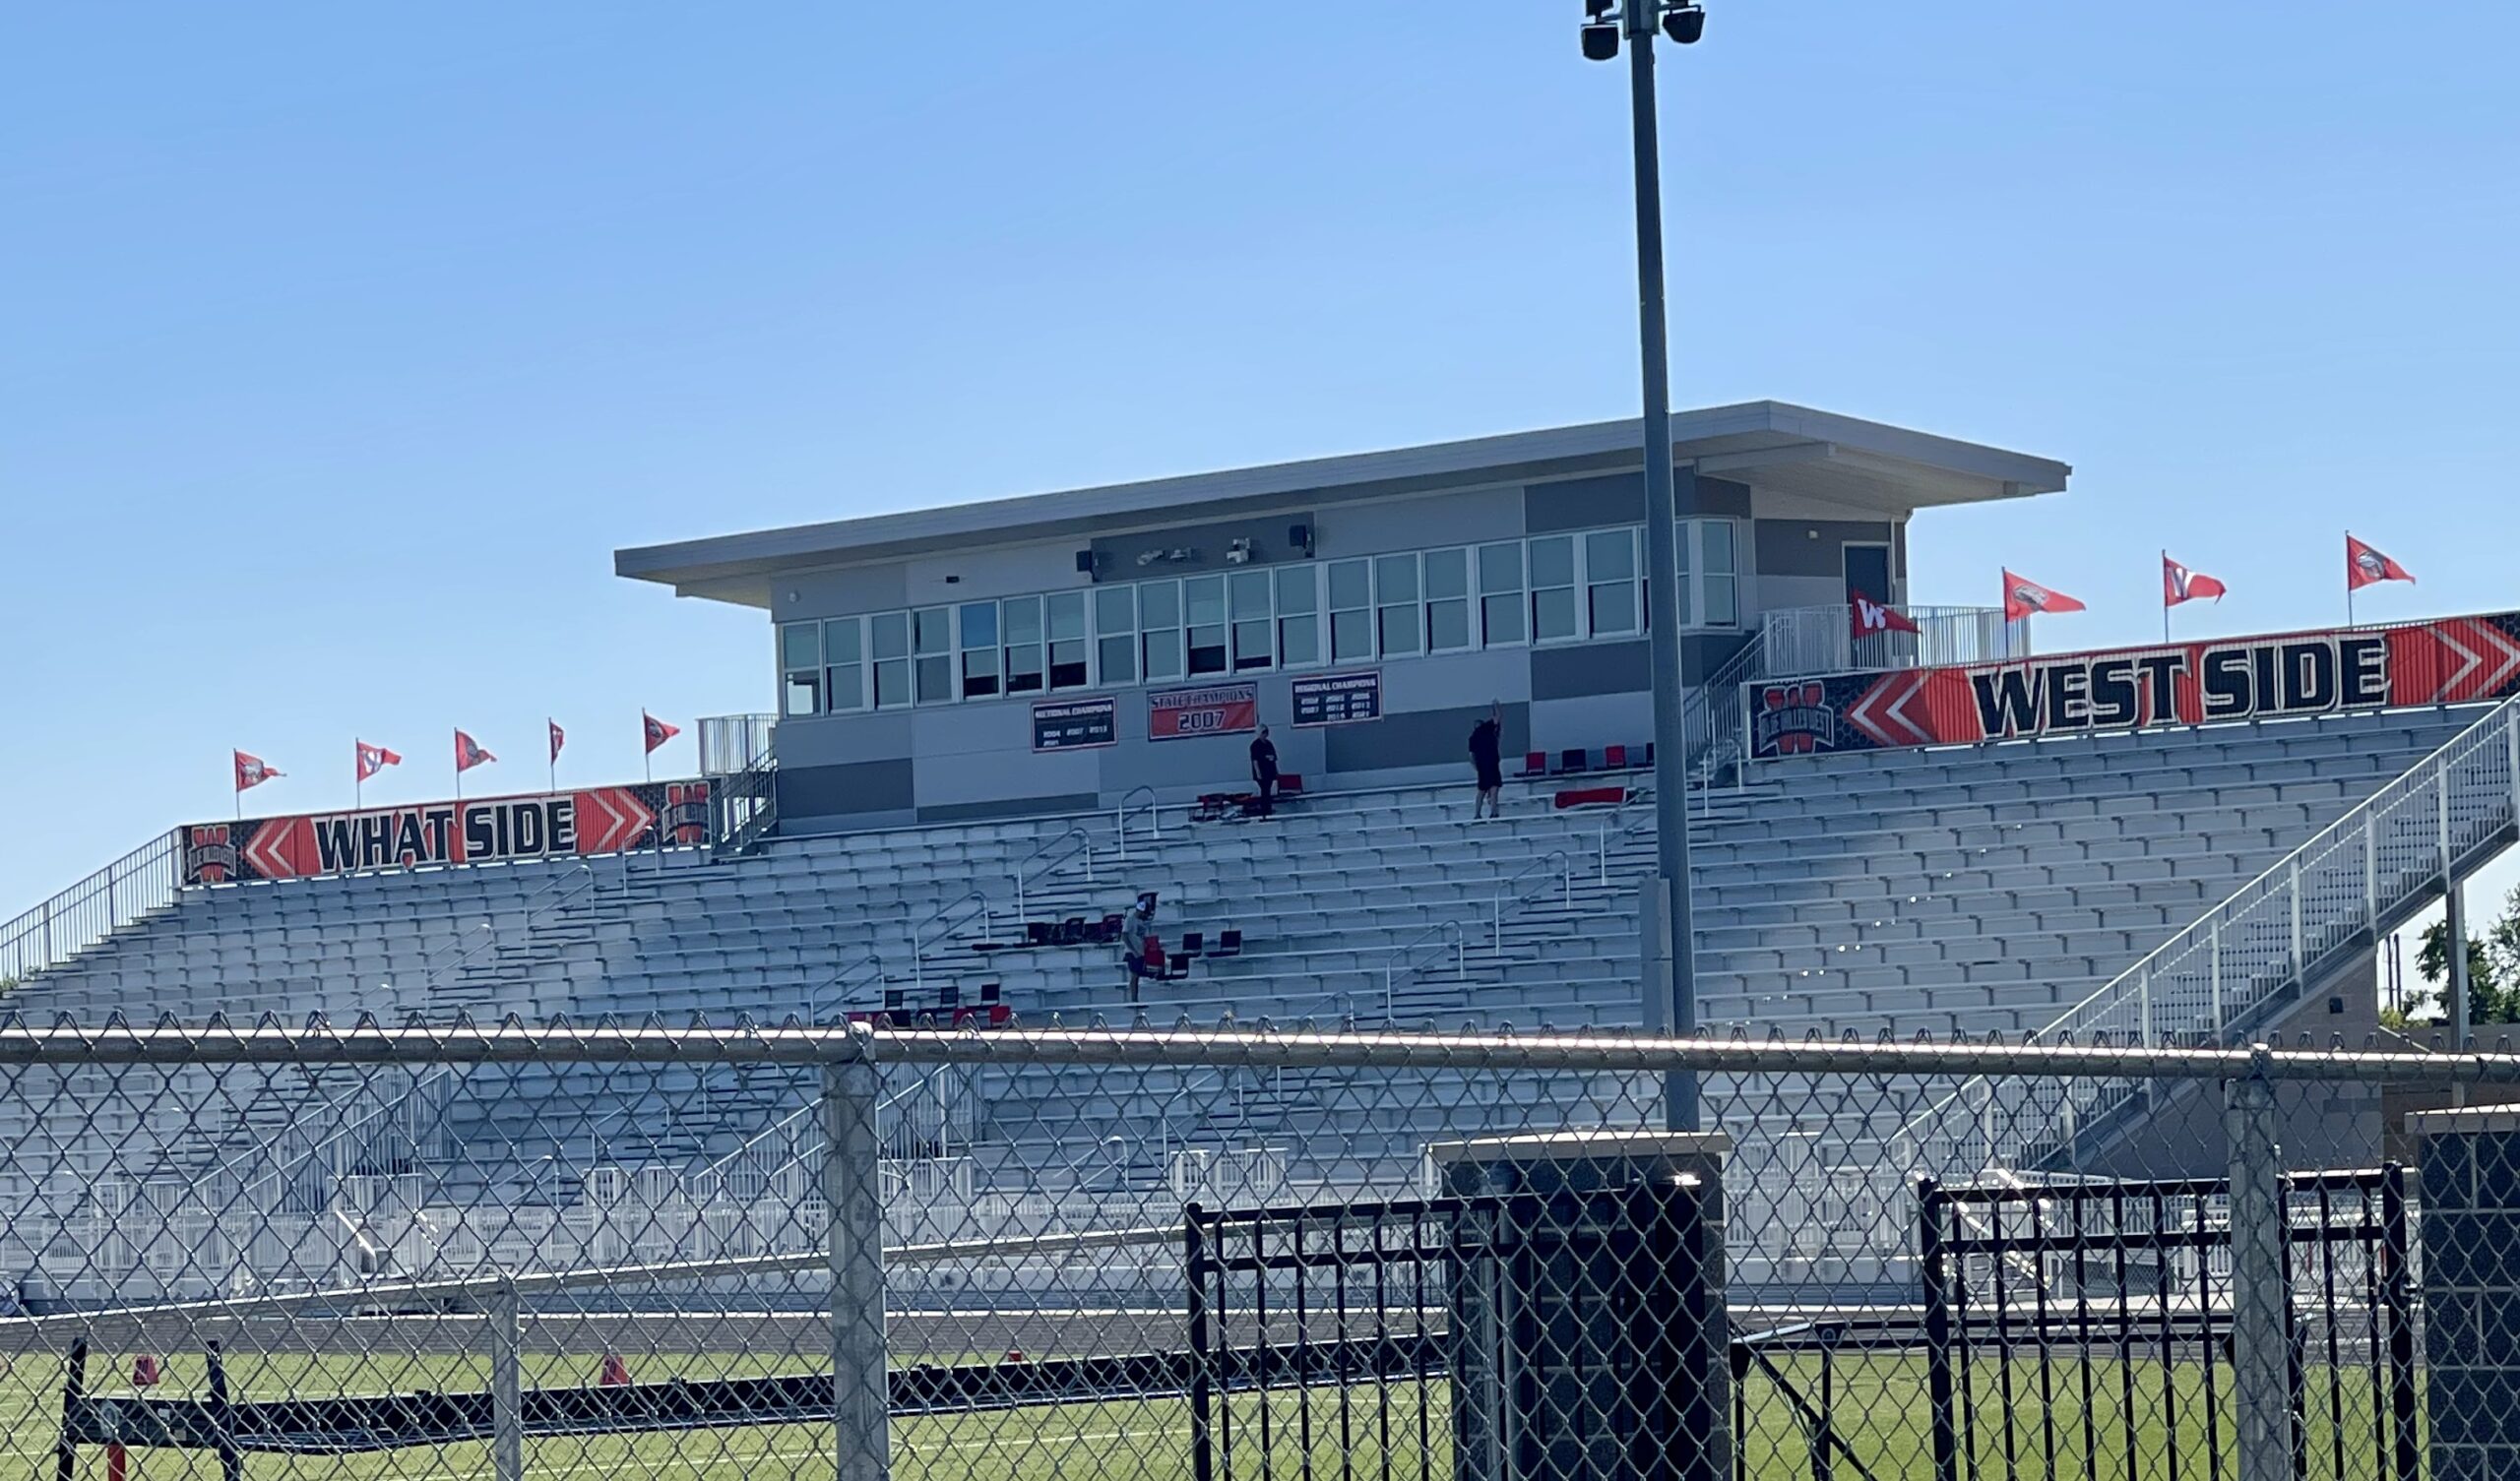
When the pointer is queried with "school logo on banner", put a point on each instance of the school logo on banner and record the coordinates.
(1795, 720)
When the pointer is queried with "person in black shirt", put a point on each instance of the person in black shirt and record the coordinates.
(1264, 772)
(1484, 746)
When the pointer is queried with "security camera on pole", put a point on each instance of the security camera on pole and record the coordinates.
(1670, 949)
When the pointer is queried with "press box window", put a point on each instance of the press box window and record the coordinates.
(1116, 633)
(1160, 623)
(980, 649)
(1299, 616)
(888, 641)
(1501, 593)
(800, 662)
(932, 645)
(1351, 617)
(1610, 581)
(1068, 663)
(843, 664)
(1203, 598)
(1248, 593)
(1396, 619)
(1555, 617)
(1447, 601)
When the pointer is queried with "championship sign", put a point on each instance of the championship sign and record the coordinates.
(1076, 724)
(476, 830)
(1216, 710)
(2453, 660)
(1338, 699)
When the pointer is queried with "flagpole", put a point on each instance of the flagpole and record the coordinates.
(2165, 597)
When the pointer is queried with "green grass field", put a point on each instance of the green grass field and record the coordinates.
(1878, 1404)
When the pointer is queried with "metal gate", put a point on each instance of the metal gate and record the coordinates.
(2084, 1328)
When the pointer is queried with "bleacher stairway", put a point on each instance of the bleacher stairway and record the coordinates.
(1961, 891)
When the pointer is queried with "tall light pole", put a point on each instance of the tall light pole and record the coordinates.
(1669, 955)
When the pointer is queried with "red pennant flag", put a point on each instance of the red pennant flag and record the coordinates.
(1867, 617)
(252, 771)
(374, 759)
(558, 738)
(2364, 566)
(468, 753)
(2178, 583)
(658, 732)
(2023, 596)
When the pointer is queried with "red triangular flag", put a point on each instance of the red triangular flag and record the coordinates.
(558, 738)
(658, 732)
(374, 759)
(1867, 617)
(2023, 596)
(2178, 583)
(252, 771)
(468, 753)
(2364, 566)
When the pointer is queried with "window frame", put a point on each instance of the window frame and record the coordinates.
(1466, 599)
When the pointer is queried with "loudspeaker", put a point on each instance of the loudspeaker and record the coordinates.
(1300, 537)
(1085, 562)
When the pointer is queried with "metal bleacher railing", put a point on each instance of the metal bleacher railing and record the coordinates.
(131, 887)
(2309, 918)
(1821, 640)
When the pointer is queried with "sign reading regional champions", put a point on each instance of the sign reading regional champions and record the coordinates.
(1216, 710)
(1338, 699)
(2453, 660)
(1076, 724)
(476, 830)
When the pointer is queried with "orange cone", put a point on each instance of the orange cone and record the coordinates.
(616, 1374)
(144, 1372)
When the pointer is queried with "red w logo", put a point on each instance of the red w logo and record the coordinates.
(1793, 720)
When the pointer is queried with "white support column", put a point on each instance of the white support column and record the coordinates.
(2371, 872)
(2215, 945)
(2261, 1341)
(2301, 966)
(861, 1397)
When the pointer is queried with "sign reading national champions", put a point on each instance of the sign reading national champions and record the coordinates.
(476, 831)
(1075, 724)
(2453, 660)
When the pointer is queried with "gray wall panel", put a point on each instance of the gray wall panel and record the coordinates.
(825, 740)
(841, 594)
(869, 786)
(1710, 496)
(1583, 503)
(1583, 668)
(1460, 518)
(1788, 547)
(1016, 807)
(1590, 721)
(1449, 680)
(1423, 738)
(1117, 555)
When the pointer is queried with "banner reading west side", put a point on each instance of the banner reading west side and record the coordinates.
(2453, 660)
(476, 831)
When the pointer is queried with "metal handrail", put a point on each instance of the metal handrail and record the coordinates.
(54, 930)
(1460, 955)
(1154, 821)
(1050, 855)
(579, 880)
(1496, 921)
(2234, 996)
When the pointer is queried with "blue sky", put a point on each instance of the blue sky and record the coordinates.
(342, 345)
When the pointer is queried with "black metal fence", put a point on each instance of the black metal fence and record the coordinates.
(2085, 1328)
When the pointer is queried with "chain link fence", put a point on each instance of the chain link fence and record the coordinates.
(503, 1251)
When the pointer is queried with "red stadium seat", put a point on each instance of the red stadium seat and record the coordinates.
(1591, 796)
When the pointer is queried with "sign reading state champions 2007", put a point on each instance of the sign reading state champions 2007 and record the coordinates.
(597, 820)
(1211, 709)
(2453, 660)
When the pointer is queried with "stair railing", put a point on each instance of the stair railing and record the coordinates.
(145, 879)
(552, 895)
(2214, 979)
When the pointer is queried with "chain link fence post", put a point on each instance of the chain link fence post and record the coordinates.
(506, 1326)
(2261, 1346)
(852, 1199)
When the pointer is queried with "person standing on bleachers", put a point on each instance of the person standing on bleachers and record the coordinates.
(1137, 926)
(1487, 757)
(1264, 772)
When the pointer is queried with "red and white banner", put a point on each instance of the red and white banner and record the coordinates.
(2453, 660)
(476, 831)
(656, 732)
(252, 771)
(1216, 710)
(2364, 566)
